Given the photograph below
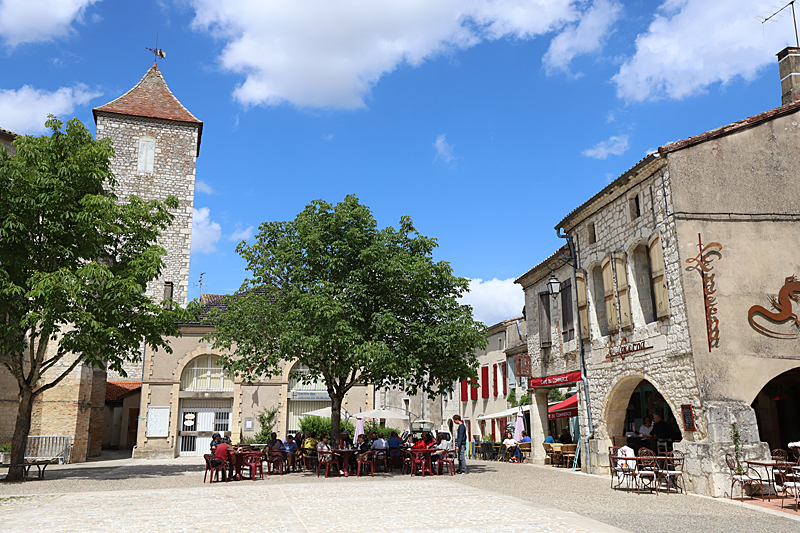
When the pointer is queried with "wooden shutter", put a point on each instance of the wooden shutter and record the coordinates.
(567, 319)
(583, 303)
(493, 436)
(485, 382)
(608, 292)
(545, 340)
(494, 372)
(473, 389)
(657, 273)
(464, 390)
(625, 319)
(504, 372)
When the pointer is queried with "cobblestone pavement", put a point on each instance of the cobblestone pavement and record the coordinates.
(168, 495)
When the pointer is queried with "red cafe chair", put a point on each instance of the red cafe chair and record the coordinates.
(214, 469)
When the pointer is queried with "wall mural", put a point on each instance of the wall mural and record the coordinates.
(703, 265)
(783, 310)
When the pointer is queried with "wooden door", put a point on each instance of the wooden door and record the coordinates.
(133, 423)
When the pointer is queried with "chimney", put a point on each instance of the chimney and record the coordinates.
(789, 69)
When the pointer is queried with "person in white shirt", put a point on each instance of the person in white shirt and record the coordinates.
(644, 429)
(510, 444)
(380, 443)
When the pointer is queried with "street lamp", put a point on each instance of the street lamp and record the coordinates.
(553, 285)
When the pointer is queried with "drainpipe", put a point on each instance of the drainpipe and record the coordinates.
(574, 260)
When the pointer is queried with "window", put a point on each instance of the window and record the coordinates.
(545, 340)
(168, 288)
(644, 282)
(567, 322)
(657, 273)
(464, 390)
(592, 233)
(504, 374)
(608, 295)
(205, 373)
(494, 374)
(500, 344)
(636, 212)
(583, 303)
(485, 382)
(620, 269)
(147, 151)
(599, 300)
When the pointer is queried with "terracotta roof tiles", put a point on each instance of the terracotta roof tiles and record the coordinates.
(115, 390)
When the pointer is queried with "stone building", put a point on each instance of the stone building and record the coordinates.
(6, 138)
(439, 410)
(686, 265)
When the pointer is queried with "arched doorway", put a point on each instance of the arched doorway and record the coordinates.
(206, 399)
(777, 408)
(626, 418)
(304, 396)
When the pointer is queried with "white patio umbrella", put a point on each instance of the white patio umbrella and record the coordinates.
(383, 413)
(325, 412)
(359, 427)
(520, 425)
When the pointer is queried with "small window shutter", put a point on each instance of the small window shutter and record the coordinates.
(622, 291)
(567, 319)
(659, 280)
(485, 382)
(545, 340)
(608, 291)
(505, 377)
(142, 156)
(583, 303)
(464, 390)
(473, 388)
(494, 370)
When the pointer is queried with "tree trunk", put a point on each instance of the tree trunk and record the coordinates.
(21, 430)
(336, 419)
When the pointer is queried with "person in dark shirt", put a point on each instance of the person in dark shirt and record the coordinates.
(216, 438)
(461, 444)
(660, 429)
(363, 447)
(565, 437)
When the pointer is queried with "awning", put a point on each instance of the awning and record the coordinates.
(556, 381)
(503, 414)
(565, 409)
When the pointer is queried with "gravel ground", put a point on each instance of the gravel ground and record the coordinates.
(591, 496)
(548, 487)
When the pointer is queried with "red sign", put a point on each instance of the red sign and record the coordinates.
(560, 380)
(569, 413)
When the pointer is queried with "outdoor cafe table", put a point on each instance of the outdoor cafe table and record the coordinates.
(345, 454)
(426, 463)
(769, 468)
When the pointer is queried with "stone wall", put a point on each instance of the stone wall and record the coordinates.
(173, 174)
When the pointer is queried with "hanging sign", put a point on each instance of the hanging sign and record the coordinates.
(310, 395)
(561, 380)
(688, 417)
(782, 311)
(703, 265)
(625, 348)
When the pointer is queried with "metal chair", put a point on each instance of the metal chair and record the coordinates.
(743, 476)
(789, 481)
(646, 469)
(673, 468)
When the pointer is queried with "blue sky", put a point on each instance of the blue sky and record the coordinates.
(485, 121)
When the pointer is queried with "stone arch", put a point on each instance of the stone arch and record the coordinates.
(616, 401)
(775, 405)
(190, 356)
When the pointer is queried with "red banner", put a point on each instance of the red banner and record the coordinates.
(560, 380)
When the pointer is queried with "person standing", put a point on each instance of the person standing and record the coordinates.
(461, 444)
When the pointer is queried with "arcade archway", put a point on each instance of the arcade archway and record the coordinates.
(777, 408)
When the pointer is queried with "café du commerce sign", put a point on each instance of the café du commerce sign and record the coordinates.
(624, 348)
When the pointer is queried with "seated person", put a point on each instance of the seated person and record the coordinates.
(661, 430)
(565, 437)
(525, 437)
(221, 454)
(380, 443)
(363, 447)
(442, 447)
(291, 450)
(216, 438)
(310, 444)
(550, 439)
(510, 445)
(517, 452)
(394, 441)
(419, 444)
(323, 446)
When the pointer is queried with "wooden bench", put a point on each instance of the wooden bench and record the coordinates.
(40, 465)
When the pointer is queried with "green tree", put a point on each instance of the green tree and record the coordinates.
(74, 265)
(353, 303)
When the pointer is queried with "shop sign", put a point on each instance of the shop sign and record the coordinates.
(625, 348)
(522, 366)
(567, 413)
(688, 417)
(561, 380)
(310, 395)
(702, 263)
(783, 310)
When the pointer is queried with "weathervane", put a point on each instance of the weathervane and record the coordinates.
(158, 52)
(794, 18)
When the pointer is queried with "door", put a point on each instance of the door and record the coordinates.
(199, 419)
(133, 424)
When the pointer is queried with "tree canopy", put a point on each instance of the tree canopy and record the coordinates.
(353, 303)
(74, 266)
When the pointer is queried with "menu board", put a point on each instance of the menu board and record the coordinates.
(688, 417)
(157, 422)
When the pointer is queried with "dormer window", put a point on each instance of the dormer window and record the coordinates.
(147, 150)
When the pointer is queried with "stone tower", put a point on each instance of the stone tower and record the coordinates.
(157, 142)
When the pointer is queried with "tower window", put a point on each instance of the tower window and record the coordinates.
(636, 211)
(592, 233)
(147, 150)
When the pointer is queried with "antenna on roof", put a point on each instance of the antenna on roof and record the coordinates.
(794, 18)
(158, 52)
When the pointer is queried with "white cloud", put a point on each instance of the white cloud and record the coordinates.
(614, 145)
(205, 232)
(444, 150)
(319, 53)
(494, 300)
(651, 151)
(328, 136)
(692, 44)
(202, 186)
(30, 21)
(25, 110)
(582, 38)
(242, 234)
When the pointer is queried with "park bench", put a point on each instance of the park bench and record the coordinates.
(40, 465)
